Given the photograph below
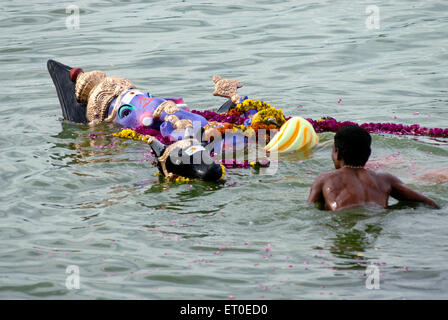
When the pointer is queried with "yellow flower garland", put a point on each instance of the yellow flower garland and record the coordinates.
(251, 104)
(263, 116)
(264, 111)
(181, 179)
(223, 176)
(129, 134)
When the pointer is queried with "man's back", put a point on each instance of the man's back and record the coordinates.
(352, 185)
(347, 187)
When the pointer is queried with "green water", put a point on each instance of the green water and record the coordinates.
(66, 201)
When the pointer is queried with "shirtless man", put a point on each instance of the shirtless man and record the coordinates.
(350, 184)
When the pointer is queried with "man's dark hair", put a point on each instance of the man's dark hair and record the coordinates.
(353, 144)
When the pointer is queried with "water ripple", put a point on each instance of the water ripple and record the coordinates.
(67, 201)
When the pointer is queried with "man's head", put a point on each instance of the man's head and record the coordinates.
(351, 146)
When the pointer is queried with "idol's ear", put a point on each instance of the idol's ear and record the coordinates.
(72, 110)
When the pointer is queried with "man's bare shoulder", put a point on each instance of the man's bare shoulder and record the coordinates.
(334, 175)
(326, 175)
(384, 177)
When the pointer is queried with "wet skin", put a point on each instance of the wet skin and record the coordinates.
(348, 187)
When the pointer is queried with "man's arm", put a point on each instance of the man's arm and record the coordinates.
(401, 192)
(316, 195)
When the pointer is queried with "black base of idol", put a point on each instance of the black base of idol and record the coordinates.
(72, 110)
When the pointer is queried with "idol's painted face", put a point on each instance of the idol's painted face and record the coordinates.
(136, 109)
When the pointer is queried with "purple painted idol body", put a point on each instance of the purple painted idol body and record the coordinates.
(137, 109)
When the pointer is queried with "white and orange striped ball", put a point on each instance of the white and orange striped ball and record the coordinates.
(295, 134)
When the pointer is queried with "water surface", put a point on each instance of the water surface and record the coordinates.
(66, 200)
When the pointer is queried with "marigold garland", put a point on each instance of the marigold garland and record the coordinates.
(232, 112)
(181, 179)
(225, 126)
(266, 114)
(223, 176)
(249, 104)
(257, 126)
(270, 115)
(128, 134)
